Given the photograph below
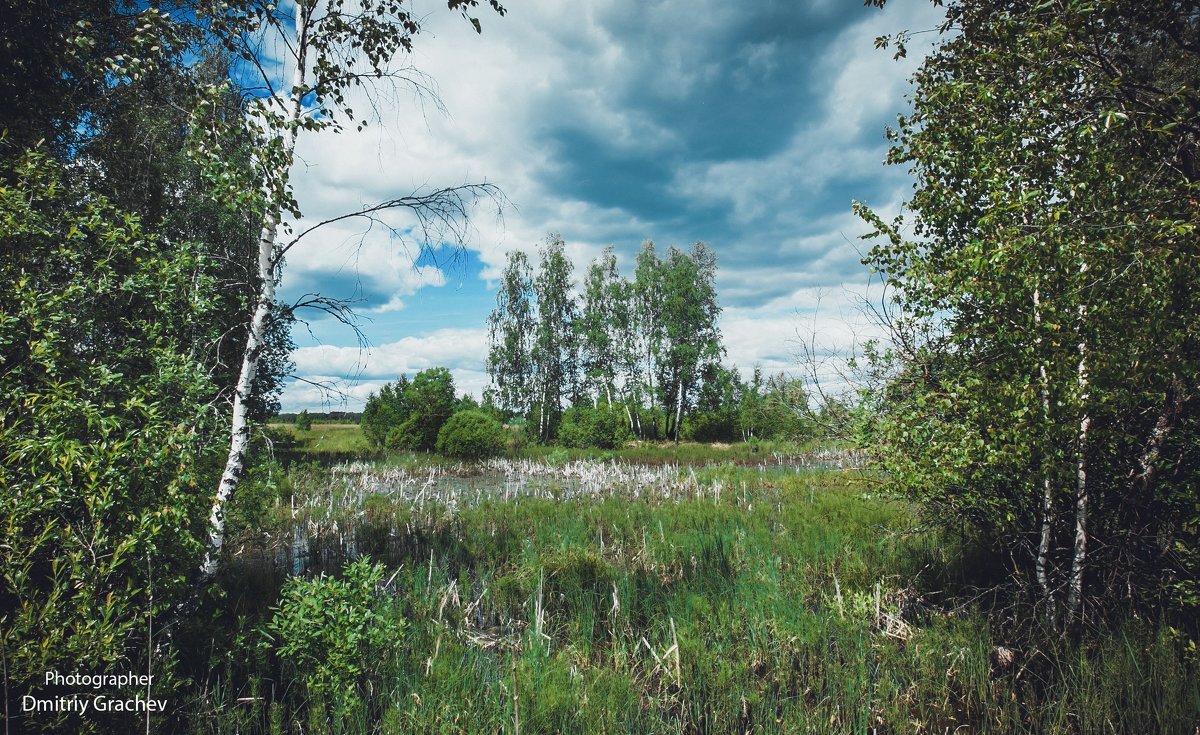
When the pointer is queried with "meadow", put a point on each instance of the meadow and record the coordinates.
(560, 593)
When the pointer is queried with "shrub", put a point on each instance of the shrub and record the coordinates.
(471, 435)
(711, 426)
(329, 630)
(602, 428)
(406, 436)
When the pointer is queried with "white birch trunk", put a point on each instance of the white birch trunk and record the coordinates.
(1079, 559)
(678, 407)
(1043, 556)
(542, 414)
(256, 334)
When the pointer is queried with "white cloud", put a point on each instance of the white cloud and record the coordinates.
(444, 347)
(358, 372)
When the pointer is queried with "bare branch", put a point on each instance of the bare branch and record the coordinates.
(439, 213)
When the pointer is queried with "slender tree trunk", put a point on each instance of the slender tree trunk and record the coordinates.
(542, 414)
(256, 334)
(1079, 560)
(678, 407)
(1043, 556)
(637, 413)
(1146, 471)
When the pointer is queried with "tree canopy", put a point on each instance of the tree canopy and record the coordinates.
(1049, 362)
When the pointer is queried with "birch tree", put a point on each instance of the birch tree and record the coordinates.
(648, 293)
(555, 355)
(603, 326)
(690, 340)
(330, 47)
(510, 328)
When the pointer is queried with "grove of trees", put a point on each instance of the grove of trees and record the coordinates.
(636, 358)
(409, 414)
(1048, 359)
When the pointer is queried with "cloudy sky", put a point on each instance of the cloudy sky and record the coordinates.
(751, 126)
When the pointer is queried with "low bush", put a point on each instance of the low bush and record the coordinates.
(331, 632)
(471, 435)
(600, 428)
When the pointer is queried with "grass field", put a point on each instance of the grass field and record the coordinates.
(652, 600)
(322, 439)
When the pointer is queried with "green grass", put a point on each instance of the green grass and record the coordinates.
(786, 602)
(684, 453)
(321, 440)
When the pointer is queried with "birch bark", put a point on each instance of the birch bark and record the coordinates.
(1047, 494)
(268, 261)
(1079, 558)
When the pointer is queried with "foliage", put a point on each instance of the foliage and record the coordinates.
(691, 342)
(471, 435)
(104, 432)
(603, 327)
(600, 428)
(304, 421)
(431, 397)
(331, 631)
(385, 410)
(510, 328)
(555, 353)
(409, 415)
(1049, 358)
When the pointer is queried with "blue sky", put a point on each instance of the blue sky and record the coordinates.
(751, 126)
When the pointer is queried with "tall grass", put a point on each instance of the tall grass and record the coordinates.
(339, 442)
(607, 599)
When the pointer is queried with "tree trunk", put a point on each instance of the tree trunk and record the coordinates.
(1043, 577)
(1079, 560)
(678, 407)
(267, 261)
(1146, 471)
(542, 415)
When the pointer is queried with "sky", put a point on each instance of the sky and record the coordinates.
(751, 126)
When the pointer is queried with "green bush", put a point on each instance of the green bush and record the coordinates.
(405, 436)
(712, 426)
(409, 415)
(471, 435)
(601, 428)
(106, 437)
(330, 631)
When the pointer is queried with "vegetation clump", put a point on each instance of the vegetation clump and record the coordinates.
(597, 428)
(409, 414)
(471, 435)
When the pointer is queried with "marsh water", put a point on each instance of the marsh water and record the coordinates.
(339, 513)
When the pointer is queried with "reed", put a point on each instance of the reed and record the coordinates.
(607, 597)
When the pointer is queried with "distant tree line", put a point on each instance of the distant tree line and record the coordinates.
(320, 417)
(625, 358)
